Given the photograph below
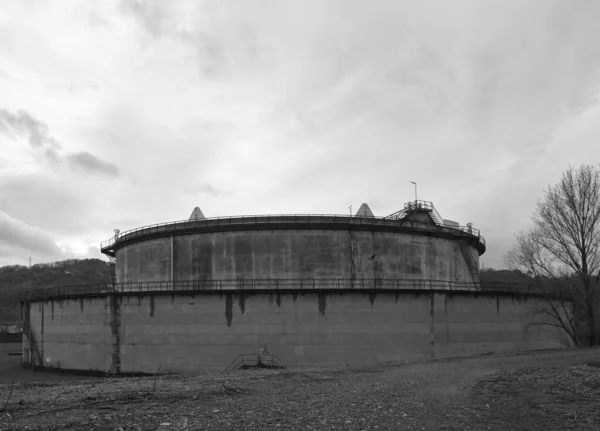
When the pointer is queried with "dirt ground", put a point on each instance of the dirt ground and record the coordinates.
(10, 367)
(536, 391)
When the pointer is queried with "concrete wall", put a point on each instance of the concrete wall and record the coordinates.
(208, 331)
(74, 334)
(294, 254)
(145, 261)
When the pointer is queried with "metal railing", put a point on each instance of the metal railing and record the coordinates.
(255, 360)
(236, 221)
(302, 284)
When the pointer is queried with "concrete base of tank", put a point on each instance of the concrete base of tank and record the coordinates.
(133, 333)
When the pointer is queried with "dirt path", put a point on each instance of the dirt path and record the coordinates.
(542, 391)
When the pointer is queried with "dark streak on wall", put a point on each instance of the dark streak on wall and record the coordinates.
(151, 305)
(322, 303)
(497, 304)
(372, 296)
(278, 299)
(242, 302)
(228, 308)
(519, 298)
(431, 304)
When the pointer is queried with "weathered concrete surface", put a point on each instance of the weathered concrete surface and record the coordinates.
(206, 332)
(145, 261)
(73, 334)
(293, 255)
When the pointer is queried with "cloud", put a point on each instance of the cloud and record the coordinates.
(19, 237)
(151, 15)
(220, 50)
(22, 122)
(283, 107)
(39, 137)
(45, 202)
(206, 190)
(91, 164)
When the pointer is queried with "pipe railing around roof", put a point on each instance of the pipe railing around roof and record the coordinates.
(266, 219)
(304, 284)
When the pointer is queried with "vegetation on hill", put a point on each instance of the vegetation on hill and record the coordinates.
(491, 275)
(15, 279)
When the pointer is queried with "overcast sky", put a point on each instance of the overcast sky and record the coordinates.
(118, 114)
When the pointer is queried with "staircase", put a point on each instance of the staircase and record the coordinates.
(35, 358)
(435, 216)
(398, 215)
(471, 263)
(112, 270)
(246, 360)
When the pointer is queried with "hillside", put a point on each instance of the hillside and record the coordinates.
(15, 279)
(503, 276)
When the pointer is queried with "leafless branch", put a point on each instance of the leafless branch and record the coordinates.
(565, 243)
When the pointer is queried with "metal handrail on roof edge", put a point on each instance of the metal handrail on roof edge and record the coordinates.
(275, 285)
(273, 219)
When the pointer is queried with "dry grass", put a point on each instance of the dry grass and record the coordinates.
(559, 397)
(529, 392)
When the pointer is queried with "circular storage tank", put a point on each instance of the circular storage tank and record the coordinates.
(300, 290)
(409, 245)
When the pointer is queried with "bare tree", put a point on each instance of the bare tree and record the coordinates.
(565, 242)
(555, 307)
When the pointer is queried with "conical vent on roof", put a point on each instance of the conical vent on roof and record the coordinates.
(364, 211)
(197, 214)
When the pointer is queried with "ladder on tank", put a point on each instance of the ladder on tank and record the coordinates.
(35, 357)
(471, 263)
(112, 269)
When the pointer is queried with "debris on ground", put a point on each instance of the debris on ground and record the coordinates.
(558, 390)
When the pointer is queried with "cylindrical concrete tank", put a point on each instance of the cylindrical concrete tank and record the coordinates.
(300, 247)
(317, 290)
